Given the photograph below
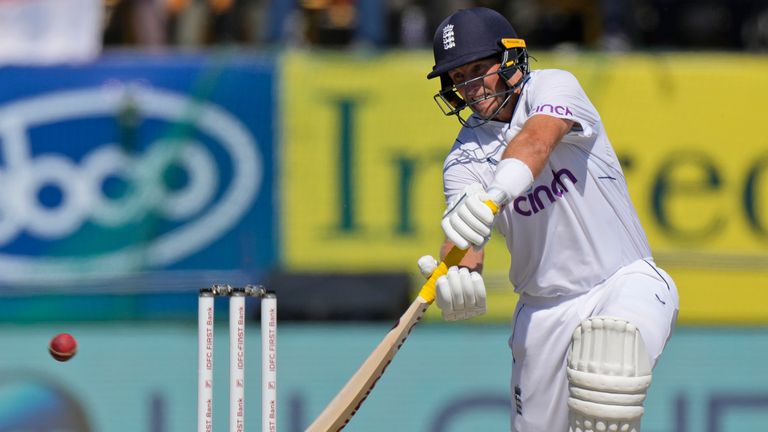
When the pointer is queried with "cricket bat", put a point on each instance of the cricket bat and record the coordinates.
(346, 403)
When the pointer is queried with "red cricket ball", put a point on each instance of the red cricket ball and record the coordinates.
(62, 347)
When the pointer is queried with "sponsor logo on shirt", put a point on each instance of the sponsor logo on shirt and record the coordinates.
(553, 109)
(532, 202)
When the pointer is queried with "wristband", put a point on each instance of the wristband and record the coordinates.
(512, 178)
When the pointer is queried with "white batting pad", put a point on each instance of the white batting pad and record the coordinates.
(608, 375)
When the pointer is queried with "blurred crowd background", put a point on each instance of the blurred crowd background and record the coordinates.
(595, 24)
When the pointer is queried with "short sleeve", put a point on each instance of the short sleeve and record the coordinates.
(559, 94)
(456, 177)
(457, 173)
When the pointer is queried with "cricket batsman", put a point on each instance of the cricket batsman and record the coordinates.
(595, 311)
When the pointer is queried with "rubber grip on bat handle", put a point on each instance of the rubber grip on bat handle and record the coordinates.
(453, 258)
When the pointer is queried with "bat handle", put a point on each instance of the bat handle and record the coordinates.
(453, 258)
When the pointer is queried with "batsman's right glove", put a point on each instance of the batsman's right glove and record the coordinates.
(460, 294)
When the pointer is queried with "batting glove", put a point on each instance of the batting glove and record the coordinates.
(468, 220)
(460, 294)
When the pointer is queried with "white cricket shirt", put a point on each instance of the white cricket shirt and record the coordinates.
(576, 225)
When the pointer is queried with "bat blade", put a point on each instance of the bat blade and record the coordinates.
(346, 403)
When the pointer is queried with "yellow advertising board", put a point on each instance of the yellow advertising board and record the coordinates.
(363, 145)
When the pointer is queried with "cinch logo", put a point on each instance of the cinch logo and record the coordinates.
(553, 109)
(188, 216)
(448, 38)
(532, 203)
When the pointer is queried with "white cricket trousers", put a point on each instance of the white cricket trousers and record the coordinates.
(640, 293)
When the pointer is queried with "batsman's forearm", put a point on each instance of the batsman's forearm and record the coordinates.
(536, 141)
(473, 260)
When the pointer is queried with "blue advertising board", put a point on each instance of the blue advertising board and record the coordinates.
(137, 164)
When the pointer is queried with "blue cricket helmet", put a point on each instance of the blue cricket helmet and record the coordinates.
(469, 35)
